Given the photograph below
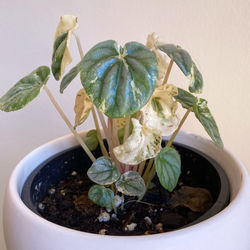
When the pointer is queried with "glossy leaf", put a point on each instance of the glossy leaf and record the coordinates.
(61, 56)
(186, 99)
(83, 106)
(142, 144)
(131, 184)
(161, 57)
(160, 112)
(168, 167)
(205, 117)
(184, 61)
(118, 80)
(68, 78)
(92, 140)
(101, 196)
(103, 171)
(25, 90)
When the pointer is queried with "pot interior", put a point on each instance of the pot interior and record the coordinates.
(208, 174)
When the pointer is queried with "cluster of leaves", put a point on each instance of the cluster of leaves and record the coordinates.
(128, 85)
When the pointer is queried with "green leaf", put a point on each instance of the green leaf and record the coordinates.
(91, 140)
(186, 99)
(118, 80)
(61, 56)
(25, 90)
(68, 78)
(101, 196)
(168, 167)
(132, 184)
(205, 117)
(103, 171)
(184, 61)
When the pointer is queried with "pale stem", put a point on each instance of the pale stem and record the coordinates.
(141, 167)
(149, 165)
(79, 45)
(126, 129)
(66, 120)
(115, 132)
(178, 129)
(99, 135)
(103, 149)
(168, 72)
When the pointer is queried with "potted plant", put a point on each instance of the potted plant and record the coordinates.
(134, 184)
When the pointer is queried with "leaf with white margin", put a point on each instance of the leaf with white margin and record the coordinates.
(160, 112)
(25, 90)
(131, 184)
(186, 99)
(103, 171)
(61, 56)
(161, 57)
(184, 61)
(168, 167)
(83, 106)
(101, 196)
(205, 117)
(142, 144)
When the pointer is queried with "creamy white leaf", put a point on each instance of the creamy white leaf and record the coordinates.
(83, 106)
(161, 57)
(160, 112)
(67, 24)
(144, 143)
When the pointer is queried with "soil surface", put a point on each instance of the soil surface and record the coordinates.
(66, 203)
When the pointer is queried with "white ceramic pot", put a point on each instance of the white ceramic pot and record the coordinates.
(228, 230)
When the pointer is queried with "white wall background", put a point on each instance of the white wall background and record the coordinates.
(215, 32)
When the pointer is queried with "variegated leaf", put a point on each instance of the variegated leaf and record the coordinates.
(142, 144)
(82, 107)
(119, 81)
(184, 61)
(131, 184)
(161, 57)
(25, 90)
(160, 112)
(61, 56)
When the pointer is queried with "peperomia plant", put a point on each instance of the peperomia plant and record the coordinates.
(129, 85)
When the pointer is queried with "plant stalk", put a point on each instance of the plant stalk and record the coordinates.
(99, 136)
(168, 72)
(66, 120)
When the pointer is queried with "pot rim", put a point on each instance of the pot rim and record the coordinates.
(15, 193)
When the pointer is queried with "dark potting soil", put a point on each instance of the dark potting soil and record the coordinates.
(65, 201)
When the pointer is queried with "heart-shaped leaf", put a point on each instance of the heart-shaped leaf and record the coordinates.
(92, 140)
(103, 171)
(142, 144)
(101, 196)
(184, 61)
(61, 56)
(25, 90)
(205, 117)
(83, 106)
(118, 80)
(68, 78)
(160, 111)
(168, 167)
(186, 99)
(132, 184)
